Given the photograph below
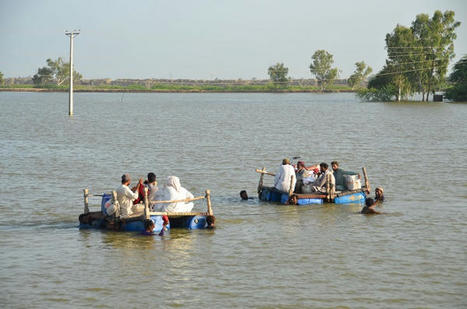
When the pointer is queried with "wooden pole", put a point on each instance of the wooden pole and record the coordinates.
(291, 188)
(114, 201)
(86, 200)
(260, 184)
(367, 182)
(178, 201)
(208, 202)
(263, 171)
(146, 203)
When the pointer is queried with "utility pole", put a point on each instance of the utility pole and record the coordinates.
(71, 34)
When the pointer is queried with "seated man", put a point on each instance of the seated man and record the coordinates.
(339, 176)
(320, 185)
(125, 197)
(301, 169)
(283, 177)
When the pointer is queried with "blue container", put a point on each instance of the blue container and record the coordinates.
(284, 198)
(308, 201)
(196, 222)
(275, 196)
(105, 198)
(138, 226)
(358, 197)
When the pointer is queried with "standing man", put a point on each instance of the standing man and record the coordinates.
(284, 175)
(339, 175)
(125, 197)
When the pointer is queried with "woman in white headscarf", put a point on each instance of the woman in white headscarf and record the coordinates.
(171, 192)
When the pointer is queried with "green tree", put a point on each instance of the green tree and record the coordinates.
(360, 74)
(458, 78)
(422, 52)
(56, 72)
(1, 79)
(321, 67)
(278, 74)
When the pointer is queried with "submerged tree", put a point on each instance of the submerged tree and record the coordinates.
(360, 74)
(458, 78)
(56, 72)
(321, 67)
(278, 74)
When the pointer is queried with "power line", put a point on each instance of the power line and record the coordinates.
(403, 63)
(408, 71)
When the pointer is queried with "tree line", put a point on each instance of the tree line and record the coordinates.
(417, 59)
(322, 69)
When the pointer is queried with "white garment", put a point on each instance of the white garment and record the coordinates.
(282, 178)
(171, 192)
(125, 199)
(152, 191)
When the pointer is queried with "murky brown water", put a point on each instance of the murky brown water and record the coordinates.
(260, 255)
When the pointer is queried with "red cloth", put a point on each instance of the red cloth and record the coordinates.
(140, 195)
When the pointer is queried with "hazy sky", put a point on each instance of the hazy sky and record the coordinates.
(205, 39)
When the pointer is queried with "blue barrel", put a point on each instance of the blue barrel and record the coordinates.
(358, 197)
(196, 222)
(308, 201)
(105, 198)
(138, 226)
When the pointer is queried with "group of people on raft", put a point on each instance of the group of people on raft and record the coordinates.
(131, 200)
(315, 178)
(310, 179)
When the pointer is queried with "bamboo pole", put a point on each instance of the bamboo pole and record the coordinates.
(175, 214)
(178, 201)
(291, 188)
(367, 181)
(146, 203)
(260, 183)
(263, 171)
(86, 200)
(208, 202)
(114, 201)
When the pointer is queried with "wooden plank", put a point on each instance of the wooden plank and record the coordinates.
(208, 202)
(367, 181)
(179, 201)
(263, 171)
(86, 200)
(175, 214)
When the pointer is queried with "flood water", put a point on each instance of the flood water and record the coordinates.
(260, 255)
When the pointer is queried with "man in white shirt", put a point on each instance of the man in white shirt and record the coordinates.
(125, 197)
(284, 175)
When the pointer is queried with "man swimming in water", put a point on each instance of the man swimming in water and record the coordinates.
(369, 208)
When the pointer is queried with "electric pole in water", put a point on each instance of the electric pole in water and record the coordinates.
(71, 34)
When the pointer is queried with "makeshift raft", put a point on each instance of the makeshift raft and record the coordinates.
(271, 194)
(188, 220)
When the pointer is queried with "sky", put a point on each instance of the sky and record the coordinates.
(206, 39)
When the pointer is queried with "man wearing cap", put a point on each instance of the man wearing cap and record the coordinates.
(379, 195)
(284, 175)
(125, 197)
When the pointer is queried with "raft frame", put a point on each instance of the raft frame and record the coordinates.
(271, 194)
(190, 220)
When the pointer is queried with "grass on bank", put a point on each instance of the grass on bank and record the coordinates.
(186, 88)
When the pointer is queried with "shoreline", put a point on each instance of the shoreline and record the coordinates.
(173, 91)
